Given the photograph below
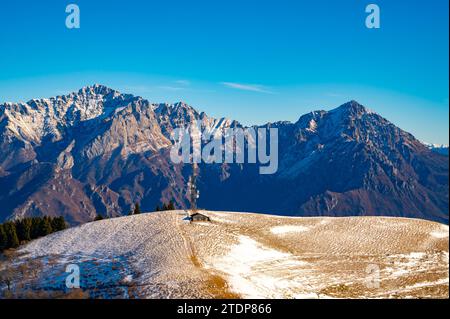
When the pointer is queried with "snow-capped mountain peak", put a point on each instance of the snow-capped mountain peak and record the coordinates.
(96, 89)
(103, 150)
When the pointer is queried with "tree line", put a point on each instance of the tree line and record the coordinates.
(165, 206)
(14, 233)
(169, 206)
(137, 210)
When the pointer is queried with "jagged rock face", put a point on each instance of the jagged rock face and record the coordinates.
(99, 151)
(348, 161)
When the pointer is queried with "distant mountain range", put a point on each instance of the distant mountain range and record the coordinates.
(438, 148)
(100, 151)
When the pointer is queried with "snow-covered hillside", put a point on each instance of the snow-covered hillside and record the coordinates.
(159, 255)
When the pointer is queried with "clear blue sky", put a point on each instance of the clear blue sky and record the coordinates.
(254, 61)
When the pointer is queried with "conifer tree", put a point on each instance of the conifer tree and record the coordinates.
(35, 227)
(45, 226)
(23, 228)
(58, 223)
(12, 241)
(137, 209)
(3, 238)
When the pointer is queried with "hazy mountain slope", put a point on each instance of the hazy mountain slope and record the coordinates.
(440, 149)
(100, 151)
(252, 255)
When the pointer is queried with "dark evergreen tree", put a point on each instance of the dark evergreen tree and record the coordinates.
(171, 206)
(12, 241)
(23, 228)
(98, 217)
(157, 209)
(58, 223)
(35, 227)
(45, 226)
(3, 238)
(137, 209)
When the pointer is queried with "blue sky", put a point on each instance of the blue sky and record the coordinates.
(254, 61)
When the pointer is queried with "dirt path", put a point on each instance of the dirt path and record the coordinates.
(186, 241)
(215, 284)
